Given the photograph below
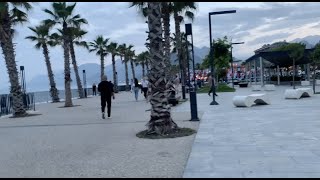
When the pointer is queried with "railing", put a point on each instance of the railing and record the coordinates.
(6, 103)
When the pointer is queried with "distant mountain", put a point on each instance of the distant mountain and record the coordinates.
(309, 41)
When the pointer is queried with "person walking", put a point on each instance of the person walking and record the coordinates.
(132, 84)
(144, 84)
(94, 89)
(106, 91)
(210, 85)
(136, 87)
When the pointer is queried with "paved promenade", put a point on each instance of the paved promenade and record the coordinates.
(277, 140)
(76, 142)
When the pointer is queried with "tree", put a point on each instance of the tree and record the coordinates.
(160, 121)
(75, 35)
(113, 50)
(295, 52)
(132, 60)
(63, 14)
(142, 59)
(221, 57)
(10, 15)
(315, 57)
(121, 51)
(178, 9)
(100, 46)
(42, 38)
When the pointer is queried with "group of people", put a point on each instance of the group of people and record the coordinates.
(143, 87)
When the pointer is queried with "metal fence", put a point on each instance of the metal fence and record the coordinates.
(6, 103)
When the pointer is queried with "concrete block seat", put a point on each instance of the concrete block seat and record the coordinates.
(297, 93)
(256, 87)
(305, 83)
(250, 100)
(269, 87)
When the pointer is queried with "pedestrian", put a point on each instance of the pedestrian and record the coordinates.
(94, 89)
(136, 87)
(106, 91)
(144, 89)
(132, 84)
(210, 85)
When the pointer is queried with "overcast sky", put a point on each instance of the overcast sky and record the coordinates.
(254, 23)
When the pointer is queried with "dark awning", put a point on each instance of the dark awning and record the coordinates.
(281, 58)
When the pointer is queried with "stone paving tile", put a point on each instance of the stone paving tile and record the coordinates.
(277, 140)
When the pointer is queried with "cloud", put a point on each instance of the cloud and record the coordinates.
(266, 39)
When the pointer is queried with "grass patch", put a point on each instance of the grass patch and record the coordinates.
(221, 88)
(179, 132)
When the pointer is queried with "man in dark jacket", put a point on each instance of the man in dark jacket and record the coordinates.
(106, 91)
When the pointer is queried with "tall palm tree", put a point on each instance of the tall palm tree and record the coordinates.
(178, 9)
(75, 34)
(160, 121)
(166, 11)
(42, 38)
(100, 46)
(10, 15)
(132, 60)
(63, 14)
(142, 59)
(113, 50)
(124, 56)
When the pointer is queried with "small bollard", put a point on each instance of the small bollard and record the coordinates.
(193, 105)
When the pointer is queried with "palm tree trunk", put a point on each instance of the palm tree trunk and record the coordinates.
(293, 73)
(114, 73)
(179, 53)
(160, 121)
(166, 27)
(132, 68)
(143, 70)
(67, 76)
(53, 89)
(314, 78)
(76, 72)
(127, 75)
(9, 56)
(101, 66)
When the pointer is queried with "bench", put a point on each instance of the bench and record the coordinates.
(250, 100)
(297, 93)
(269, 87)
(305, 83)
(317, 82)
(243, 84)
(256, 87)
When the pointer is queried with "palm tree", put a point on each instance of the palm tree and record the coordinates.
(100, 46)
(42, 39)
(166, 11)
(179, 8)
(132, 60)
(124, 56)
(160, 121)
(142, 59)
(75, 35)
(113, 50)
(10, 15)
(63, 14)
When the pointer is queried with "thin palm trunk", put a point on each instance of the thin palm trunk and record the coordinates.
(67, 74)
(9, 56)
(160, 121)
(179, 53)
(101, 66)
(166, 27)
(132, 69)
(293, 73)
(127, 77)
(76, 72)
(53, 89)
(143, 70)
(314, 78)
(114, 73)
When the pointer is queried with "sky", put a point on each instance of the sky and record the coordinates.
(255, 23)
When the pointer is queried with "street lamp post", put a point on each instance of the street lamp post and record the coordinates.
(211, 53)
(232, 61)
(192, 91)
